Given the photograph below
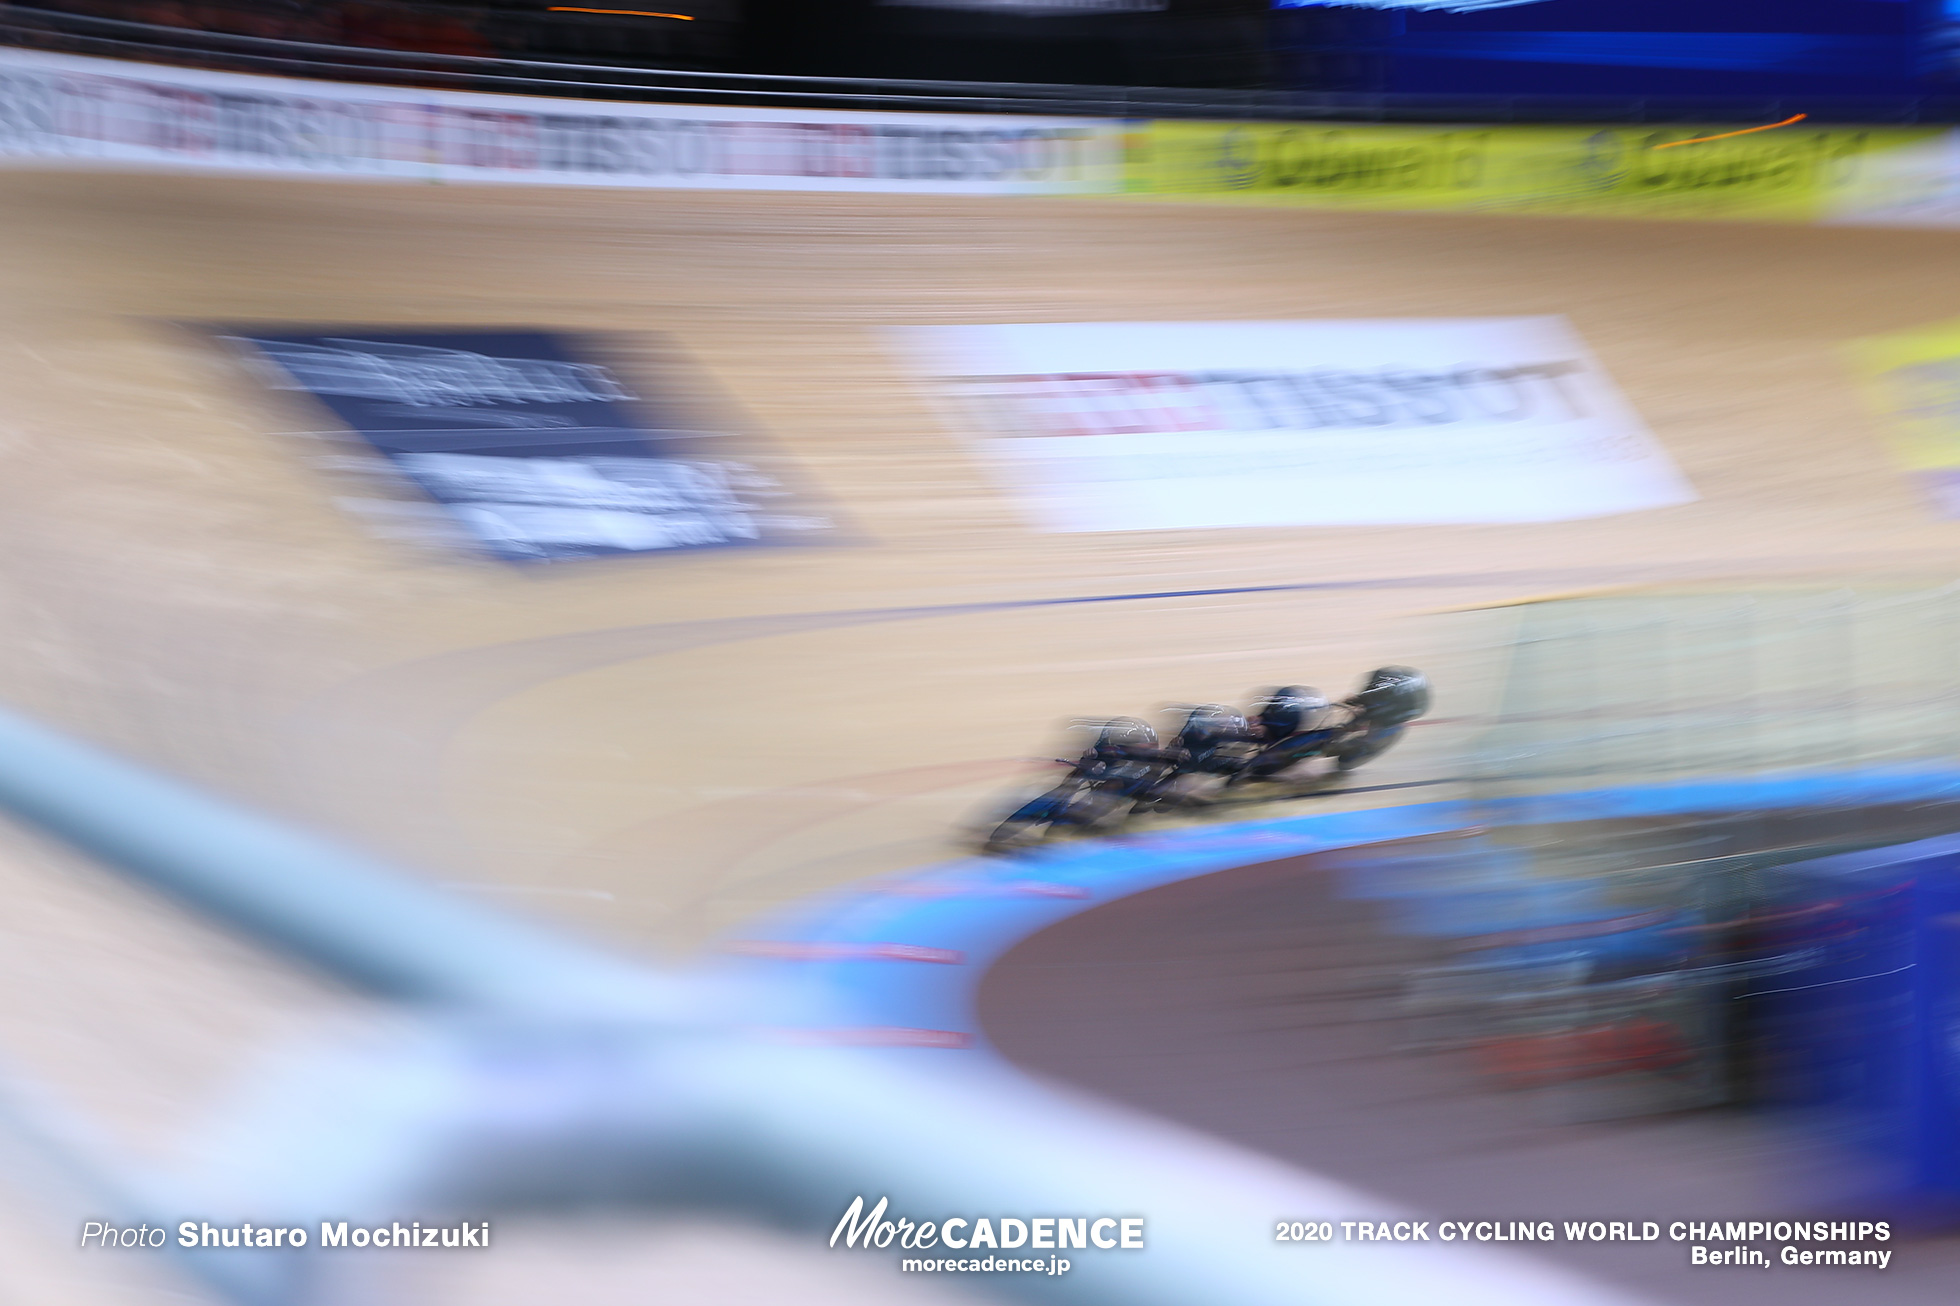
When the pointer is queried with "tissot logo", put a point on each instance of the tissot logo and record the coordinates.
(1127, 426)
(1126, 403)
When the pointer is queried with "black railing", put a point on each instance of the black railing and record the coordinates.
(47, 29)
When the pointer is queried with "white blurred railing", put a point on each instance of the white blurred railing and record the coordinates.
(529, 1071)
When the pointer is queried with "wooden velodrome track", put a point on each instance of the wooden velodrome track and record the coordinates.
(586, 740)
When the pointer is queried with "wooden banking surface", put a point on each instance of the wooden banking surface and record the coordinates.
(664, 745)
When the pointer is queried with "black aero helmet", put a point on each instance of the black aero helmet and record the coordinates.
(1393, 695)
(1126, 732)
(1210, 725)
(1290, 710)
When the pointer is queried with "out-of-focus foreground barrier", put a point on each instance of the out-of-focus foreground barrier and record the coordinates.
(530, 1073)
(58, 108)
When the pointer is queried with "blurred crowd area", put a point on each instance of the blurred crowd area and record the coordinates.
(1196, 43)
(483, 29)
(442, 29)
(694, 38)
(1563, 48)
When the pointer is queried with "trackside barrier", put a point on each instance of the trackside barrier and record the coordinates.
(540, 1074)
(81, 111)
(979, 908)
(1638, 685)
(106, 113)
(1865, 1034)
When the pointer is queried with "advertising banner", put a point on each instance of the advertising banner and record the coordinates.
(70, 110)
(1123, 426)
(535, 451)
(1790, 174)
(1911, 185)
(1912, 380)
(100, 111)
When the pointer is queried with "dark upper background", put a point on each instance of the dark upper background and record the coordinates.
(1694, 48)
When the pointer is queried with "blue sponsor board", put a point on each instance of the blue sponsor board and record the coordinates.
(535, 449)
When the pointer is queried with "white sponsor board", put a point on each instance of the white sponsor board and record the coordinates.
(1124, 426)
(1916, 185)
(105, 112)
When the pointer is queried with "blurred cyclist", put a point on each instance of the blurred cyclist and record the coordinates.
(1291, 725)
(1215, 740)
(1389, 698)
(1126, 758)
(1298, 722)
(1117, 772)
(1283, 713)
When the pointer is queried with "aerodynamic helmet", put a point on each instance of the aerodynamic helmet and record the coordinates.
(1211, 725)
(1290, 710)
(1126, 732)
(1393, 695)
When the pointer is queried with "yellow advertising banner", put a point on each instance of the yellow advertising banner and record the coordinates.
(1912, 378)
(1787, 174)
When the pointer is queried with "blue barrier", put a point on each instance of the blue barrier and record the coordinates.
(853, 950)
(1865, 1037)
